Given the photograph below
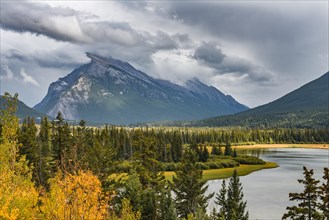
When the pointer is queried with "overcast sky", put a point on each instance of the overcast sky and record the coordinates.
(255, 51)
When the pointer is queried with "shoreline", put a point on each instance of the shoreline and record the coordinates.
(260, 146)
(223, 173)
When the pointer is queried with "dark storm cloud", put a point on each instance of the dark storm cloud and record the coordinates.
(64, 24)
(35, 18)
(277, 33)
(236, 20)
(209, 54)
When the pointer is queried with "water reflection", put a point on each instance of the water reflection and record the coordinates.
(267, 190)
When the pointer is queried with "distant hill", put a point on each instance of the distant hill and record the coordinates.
(307, 106)
(108, 90)
(23, 111)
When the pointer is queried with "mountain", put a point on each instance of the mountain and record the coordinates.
(23, 111)
(107, 90)
(307, 106)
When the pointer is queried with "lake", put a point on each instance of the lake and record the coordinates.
(267, 191)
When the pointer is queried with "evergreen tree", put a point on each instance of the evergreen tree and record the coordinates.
(205, 154)
(149, 204)
(177, 147)
(228, 149)
(46, 165)
(62, 144)
(221, 200)
(306, 209)
(189, 186)
(216, 150)
(133, 191)
(146, 164)
(235, 153)
(167, 209)
(99, 155)
(230, 200)
(235, 205)
(324, 194)
(29, 146)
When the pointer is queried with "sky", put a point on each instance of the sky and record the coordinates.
(256, 51)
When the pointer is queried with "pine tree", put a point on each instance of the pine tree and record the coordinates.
(167, 209)
(177, 148)
(230, 200)
(133, 191)
(189, 186)
(205, 154)
(98, 156)
(216, 150)
(324, 194)
(306, 209)
(236, 207)
(62, 144)
(221, 200)
(28, 139)
(228, 149)
(45, 167)
(149, 204)
(146, 164)
(235, 153)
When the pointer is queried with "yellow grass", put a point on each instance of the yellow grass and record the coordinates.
(257, 146)
(227, 172)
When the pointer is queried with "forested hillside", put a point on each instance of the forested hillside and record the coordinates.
(306, 107)
(23, 111)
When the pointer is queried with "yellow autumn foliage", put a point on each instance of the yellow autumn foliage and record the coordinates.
(18, 197)
(75, 197)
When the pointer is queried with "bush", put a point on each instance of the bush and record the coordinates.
(203, 166)
(125, 167)
(249, 160)
(169, 166)
(214, 165)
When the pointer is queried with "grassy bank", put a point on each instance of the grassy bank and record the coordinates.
(257, 146)
(227, 172)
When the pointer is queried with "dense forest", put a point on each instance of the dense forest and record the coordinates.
(55, 170)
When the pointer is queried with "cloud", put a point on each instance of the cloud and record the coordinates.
(64, 24)
(68, 25)
(273, 33)
(6, 73)
(55, 59)
(28, 78)
(209, 54)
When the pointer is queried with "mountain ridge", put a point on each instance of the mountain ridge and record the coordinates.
(107, 90)
(24, 111)
(306, 106)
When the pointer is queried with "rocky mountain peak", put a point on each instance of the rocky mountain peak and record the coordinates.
(108, 90)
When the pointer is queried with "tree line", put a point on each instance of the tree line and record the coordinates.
(58, 172)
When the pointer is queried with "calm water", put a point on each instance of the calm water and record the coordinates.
(266, 191)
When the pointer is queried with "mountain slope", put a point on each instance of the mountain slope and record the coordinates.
(107, 90)
(307, 106)
(23, 111)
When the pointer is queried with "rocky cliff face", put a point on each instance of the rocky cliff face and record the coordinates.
(107, 90)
